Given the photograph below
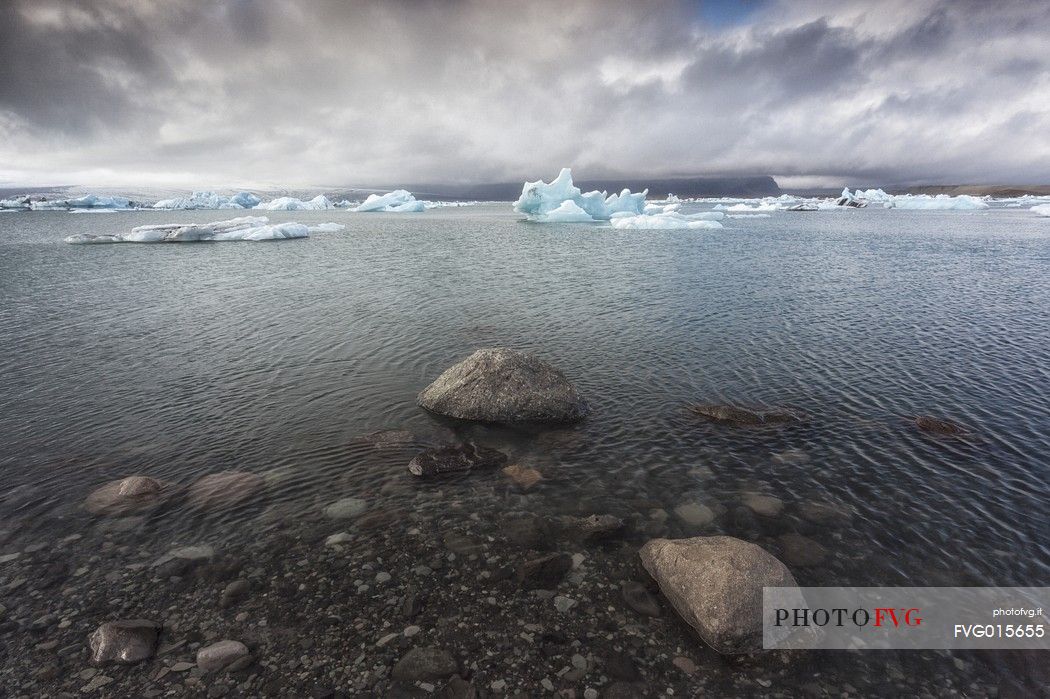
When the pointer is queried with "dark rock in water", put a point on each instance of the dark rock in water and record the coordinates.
(225, 488)
(503, 385)
(224, 654)
(126, 496)
(945, 428)
(389, 439)
(639, 599)
(798, 550)
(424, 664)
(455, 459)
(622, 667)
(715, 584)
(545, 572)
(234, 593)
(595, 527)
(459, 688)
(825, 513)
(125, 642)
(746, 417)
(624, 690)
(527, 531)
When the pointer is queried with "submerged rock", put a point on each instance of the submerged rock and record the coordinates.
(695, 514)
(825, 513)
(545, 572)
(801, 551)
(455, 459)
(125, 642)
(746, 417)
(126, 496)
(595, 527)
(524, 476)
(504, 385)
(944, 428)
(424, 664)
(715, 584)
(764, 505)
(221, 655)
(345, 508)
(225, 488)
(639, 599)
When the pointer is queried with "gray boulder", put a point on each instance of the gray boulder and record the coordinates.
(127, 496)
(503, 385)
(715, 584)
(124, 642)
(221, 655)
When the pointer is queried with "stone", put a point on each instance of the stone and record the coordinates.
(942, 428)
(715, 584)
(126, 496)
(695, 514)
(338, 539)
(220, 655)
(125, 642)
(524, 476)
(459, 688)
(825, 513)
(424, 664)
(180, 560)
(799, 550)
(345, 508)
(225, 489)
(563, 603)
(544, 572)
(623, 690)
(390, 439)
(455, 459)
(639, 599)
(527, 531)
(234, 593)
(596, 527)
(684, 664)
(506, 386)
(735, 416)
(764, 505)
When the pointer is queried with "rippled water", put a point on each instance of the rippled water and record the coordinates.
(180, 360)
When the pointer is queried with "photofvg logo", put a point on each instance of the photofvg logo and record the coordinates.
(853, 618)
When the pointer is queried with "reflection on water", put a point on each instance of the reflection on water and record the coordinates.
(183, 360)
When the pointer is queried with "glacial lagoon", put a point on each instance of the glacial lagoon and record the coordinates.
(299, 361)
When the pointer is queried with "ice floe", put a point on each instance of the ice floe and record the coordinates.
(548, 202)
(210, 200)
(88, 201)
(1041, 209)
(914, 202)
(399, 201)
(243, 228)
(318, 203)
(669, 220)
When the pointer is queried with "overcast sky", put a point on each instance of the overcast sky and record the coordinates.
(312, 92)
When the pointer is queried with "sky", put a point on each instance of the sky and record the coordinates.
(230, 93)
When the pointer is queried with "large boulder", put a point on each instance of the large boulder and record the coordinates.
(715, 584)
(124, 642)
(127, 496)
(503, 385)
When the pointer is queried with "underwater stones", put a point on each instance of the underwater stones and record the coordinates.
(735, 416)
(221, 655)
(941, 428)
(825, 513)
(595, 527)
(639, 599)
(504, 385)
(544, 572)
(225, 488)
(524, 476)
(124, 642)
(126, 496)
(715, 584)
(763, 505)
(695, 514)
(455, 459)
(424, 664)
(345, 508)
(799, 550)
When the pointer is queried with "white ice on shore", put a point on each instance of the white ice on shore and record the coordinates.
(1041, 210)
(318, 203)
(88, 201)
(210, 200)
(399, 201)
(253, 228)
(539, 201)
(669, 220)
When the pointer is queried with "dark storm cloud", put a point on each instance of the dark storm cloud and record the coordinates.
(221, 92)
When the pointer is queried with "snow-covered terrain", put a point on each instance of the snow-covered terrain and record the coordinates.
(560, 201)
(244, 228)
(399, 201)
(210, 200)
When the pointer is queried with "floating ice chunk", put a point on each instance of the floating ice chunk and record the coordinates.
(1041, 209)
(20, 204)
(670, 220)
(568, 212)
(243, 228)
(399, 201)
(210, 200)
(539, 200)
(318, 203)
(88, 201)
(756, 215)
(759, 206)
(852, 200)
(915, 202)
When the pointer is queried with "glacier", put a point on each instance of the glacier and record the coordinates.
(210, 200)
(546, 202)
(318, 203)
(1041, 209)
(254, 228)
(399, 201)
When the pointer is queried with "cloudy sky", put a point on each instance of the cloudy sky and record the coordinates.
(333, 93)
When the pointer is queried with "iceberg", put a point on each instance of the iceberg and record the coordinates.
(20, 204)
(253, 228)
(210, 200)
(88, 201)
(318, 203)
(669, 220)
(849, 199)
(1041, 209)
(916, 202)
(568, 212)
(759, 206)
(539, 200)
(399, 201)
